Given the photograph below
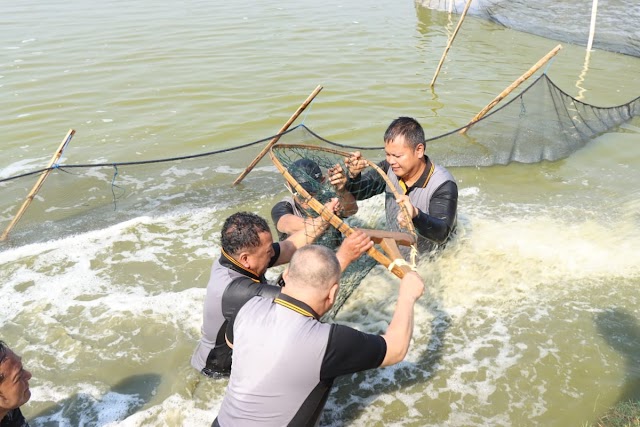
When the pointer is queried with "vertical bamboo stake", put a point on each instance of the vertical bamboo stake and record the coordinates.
(266, 149)
(453, 36)
(38, 185)
(513, 85)
(592, 28)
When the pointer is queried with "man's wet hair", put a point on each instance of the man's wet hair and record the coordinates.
(241, 231)
(407, 127)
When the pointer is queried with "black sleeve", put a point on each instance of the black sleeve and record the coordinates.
(238, 293)
(438, 224)
(349, 351)
(276, 251)
(368, 184)
(279, 210)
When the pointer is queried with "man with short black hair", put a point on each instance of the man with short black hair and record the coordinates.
(14, 388)
(428, 191)
(238, 275)
(285, 360)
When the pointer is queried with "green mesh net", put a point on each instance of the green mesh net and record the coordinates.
(541, 123)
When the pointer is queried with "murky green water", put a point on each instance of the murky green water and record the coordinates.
(531, 316)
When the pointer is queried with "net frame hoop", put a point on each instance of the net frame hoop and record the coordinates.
(391, 264)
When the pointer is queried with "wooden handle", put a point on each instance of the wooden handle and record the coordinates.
(276, 138)
(404, 239)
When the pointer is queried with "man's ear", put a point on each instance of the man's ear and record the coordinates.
(285, 274)
(243, 259)
(420, 151)
(333, 293)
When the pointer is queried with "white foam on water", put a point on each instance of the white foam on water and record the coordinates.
(175, 410)
(90, 406)
(121, 285)
(21, 166)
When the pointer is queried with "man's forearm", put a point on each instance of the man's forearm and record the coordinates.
(399, 332)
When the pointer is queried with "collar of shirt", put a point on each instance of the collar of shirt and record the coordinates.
(423, 180)
(227, 261)
(296, 305)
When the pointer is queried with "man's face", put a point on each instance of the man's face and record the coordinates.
(258, 258)
(404, 160)
(14, 388)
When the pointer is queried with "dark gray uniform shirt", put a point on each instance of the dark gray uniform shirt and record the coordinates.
(285, 361)
(435, 194)
(14, 418)
(230, 286)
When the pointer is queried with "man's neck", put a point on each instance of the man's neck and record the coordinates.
(305, 298)
(416, 175)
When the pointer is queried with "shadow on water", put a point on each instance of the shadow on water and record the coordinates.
(368, 385)
(621, 331)
(124, 399)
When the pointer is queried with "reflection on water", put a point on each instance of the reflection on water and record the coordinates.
(621, 330)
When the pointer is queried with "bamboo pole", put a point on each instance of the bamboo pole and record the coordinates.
(512, 86)
(592, 27)
(453, 36)
(266, 149)
(38, 185)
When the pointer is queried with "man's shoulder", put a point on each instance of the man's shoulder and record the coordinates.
(14, 419)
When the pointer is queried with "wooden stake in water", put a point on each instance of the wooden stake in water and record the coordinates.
(38, 185)
(592, 28)
(453, 36)
(512, 86)
(266, 149)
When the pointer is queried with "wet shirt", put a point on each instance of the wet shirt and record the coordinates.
(435, 194)
(14, 418)
(230, 286)
(285, 361)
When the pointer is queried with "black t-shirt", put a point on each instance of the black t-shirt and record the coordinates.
(14, 419)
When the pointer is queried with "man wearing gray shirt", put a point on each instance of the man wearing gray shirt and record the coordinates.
(285, 360)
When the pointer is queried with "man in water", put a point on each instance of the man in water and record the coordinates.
(285, 360)
(428, 191)
(248, 251)
(14, 388)
(292, 214)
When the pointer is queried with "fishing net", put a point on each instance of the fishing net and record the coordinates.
(306, 168)
(568, 21)
(79, 198)
(540, 123)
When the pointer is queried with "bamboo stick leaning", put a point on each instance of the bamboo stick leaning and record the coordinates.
(38, 185)
(266, 149)
(512, 86)
(453, 36)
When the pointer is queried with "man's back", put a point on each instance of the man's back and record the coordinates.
(285, 361)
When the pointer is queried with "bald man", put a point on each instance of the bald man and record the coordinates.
(285, 360)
